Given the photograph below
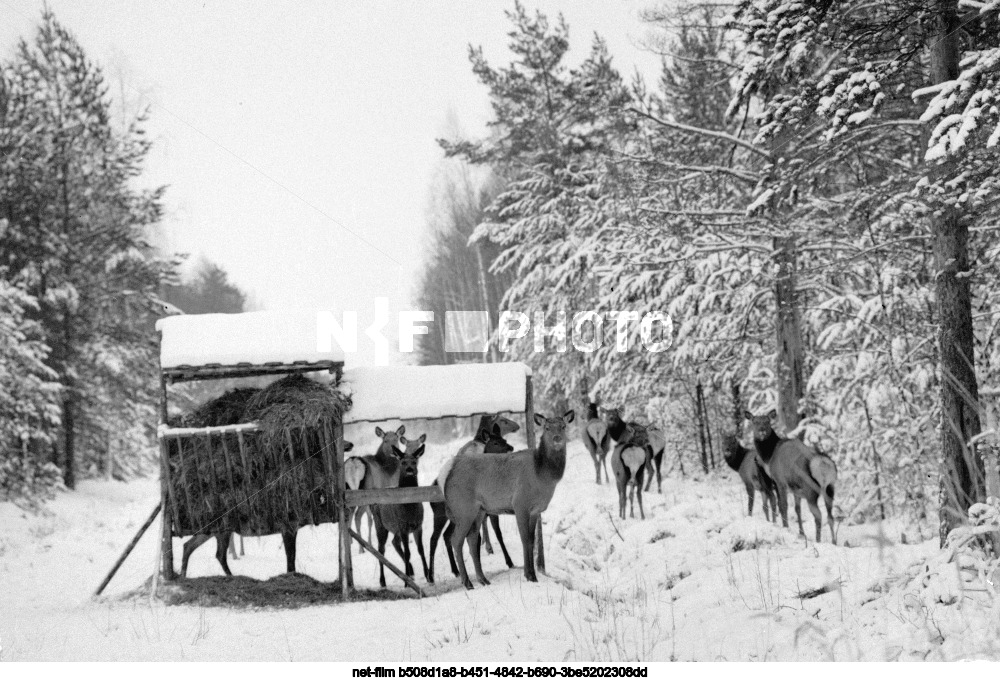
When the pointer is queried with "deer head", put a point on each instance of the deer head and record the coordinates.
(761, 425)
(390, 441)
(554, 430)
(408, 459)
(502, 426)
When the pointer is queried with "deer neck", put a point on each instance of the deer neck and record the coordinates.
(767, 446)
(385, 458)
(408, 481)
(616, 428)
(592, 412)
(550, 463)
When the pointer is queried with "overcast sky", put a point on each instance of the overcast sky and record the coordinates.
(298, 138)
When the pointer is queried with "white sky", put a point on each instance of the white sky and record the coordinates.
(298, 138)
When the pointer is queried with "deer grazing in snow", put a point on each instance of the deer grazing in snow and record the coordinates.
(222, 539)
(402, 520)
(489, 439)
(521, 483)
(797, 468)
(752, 473)
(597, 441)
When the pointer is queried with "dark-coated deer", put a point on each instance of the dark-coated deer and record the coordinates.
(628, 463)
(222, 540)
(753, 475)
(402, 520)
(521, 483)
(597, 441)
(489, 439)
(796, 468)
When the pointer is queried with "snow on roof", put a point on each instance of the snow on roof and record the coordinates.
(413, 392)
(284, 337)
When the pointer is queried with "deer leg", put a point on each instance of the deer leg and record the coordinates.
(221, 546)
(526, 527)
(397, 543)
(631, 500)
(604, 463)
(798, 513)
(448, 533)
(418, 536)
(460, 530)
(485, 532)
(358, 512)
(495, 521)
(439, 522)
(540, 544)
(814, 509)
(828, 499)
(783, 504)
(659, 475)
(642, 513)
(382, 534)
(189, 546)
(597, 467)
(474, 546)
(232, 549)
(750, 495)
(288, 538)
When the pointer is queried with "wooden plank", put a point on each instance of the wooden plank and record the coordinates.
(393, 495)
(128, 549)
(167, 537)
(163, 431)
(214, 371)
(385, 561)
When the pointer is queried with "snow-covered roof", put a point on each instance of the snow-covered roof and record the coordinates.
(255, 338)
(414, 392)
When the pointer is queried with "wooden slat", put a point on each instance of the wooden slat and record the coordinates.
(393, 495)
(207, 430)
(190, 373)
(385, 561)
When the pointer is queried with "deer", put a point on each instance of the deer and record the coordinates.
(628, 463)
(752, 473)
(798, 468)
(222, 540)
(597, 441)
(489, 439)
(381, 470)
(402, 520)
(521, 483)
(354, 474)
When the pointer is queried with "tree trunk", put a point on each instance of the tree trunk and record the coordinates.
(737, 408)
(962, 474)
(788, 334)
(701, 425)
(69, 435)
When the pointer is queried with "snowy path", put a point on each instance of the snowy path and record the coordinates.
(695, 580)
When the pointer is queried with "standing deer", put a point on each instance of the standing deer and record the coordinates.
(752, 473)
(521, 483)
(798, 468)
(489, 439)
(354, 475)
(222, 540)
(403, 519)
(597, 440)
(628, 463)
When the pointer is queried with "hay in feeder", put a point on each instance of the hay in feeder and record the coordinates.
(289, 590)
(261, 482)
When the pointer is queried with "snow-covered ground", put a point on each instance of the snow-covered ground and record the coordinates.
(696, 580)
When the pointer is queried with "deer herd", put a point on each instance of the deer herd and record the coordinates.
(488, 478)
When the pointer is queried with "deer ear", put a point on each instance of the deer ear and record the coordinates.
(379, 432)
(400, 430)
(348, 446)
(539, 420)
(569, 416)
(402, 440)
(772, 414)
(748, 416)
(419, 453)
(422, 439)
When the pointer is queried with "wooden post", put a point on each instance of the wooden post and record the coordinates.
(529, 412)
(128, 549)
(340, 503)
(166, 541)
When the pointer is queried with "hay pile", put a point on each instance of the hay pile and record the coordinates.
(289, 590)
(259, 482)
